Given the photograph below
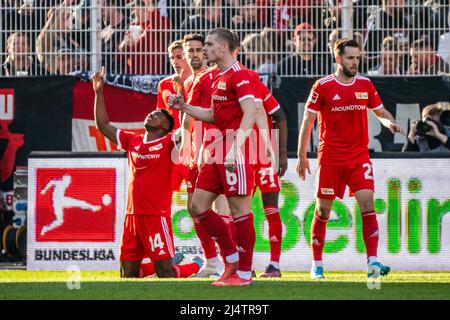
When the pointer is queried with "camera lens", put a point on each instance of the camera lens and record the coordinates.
(422, 128)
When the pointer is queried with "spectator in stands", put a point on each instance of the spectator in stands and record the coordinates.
(246, 20)
(430, 18)
(70, 61)
(304, 61)
(19, 61)
(391, 20)
(175, 10)
(79, 25)
(208, 16)
(258, 53)
(146, 40)
(390, 61)
(300, 11)
(25, 16)
(115, 19)
(430, 134)
(424, 59)
(276, 40)
(56, 35)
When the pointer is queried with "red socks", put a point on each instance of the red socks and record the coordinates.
(186, 270)
(217, 229)
(275, 231)
(246, 238)
(318, 232)
(146, 269)
(208, 244)
(370, 233)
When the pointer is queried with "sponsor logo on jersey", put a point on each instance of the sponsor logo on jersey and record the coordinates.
(336, 97)
(232, 188)
(146, 156)
(327, 190)
(156, 148)
(348, 108)
(161, 252)
(222, 85)
(267, 97)
(313, 96)
(362, 95)
(219, 98)
(243, 82)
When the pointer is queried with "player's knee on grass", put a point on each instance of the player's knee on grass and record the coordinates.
(129, 269)
(164, 269)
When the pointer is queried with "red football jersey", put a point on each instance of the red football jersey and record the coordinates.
(200, 95)
(165, 87)
(150, 171)
(229, 88)
(270, 104)
(342, 115)
(187, 84)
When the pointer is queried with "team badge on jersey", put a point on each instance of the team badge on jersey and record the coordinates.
(362, 95)
(222, 86)
(156, 148)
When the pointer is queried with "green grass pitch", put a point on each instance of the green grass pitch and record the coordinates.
(293, 285)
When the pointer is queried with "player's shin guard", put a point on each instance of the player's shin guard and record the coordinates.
(275, 231)
(186, 270)
(217, 229)
(246, 237)
(318, 233)
(370, 233)
(146, 269)
(207, 243)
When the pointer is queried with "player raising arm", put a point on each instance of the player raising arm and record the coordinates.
(147, 228)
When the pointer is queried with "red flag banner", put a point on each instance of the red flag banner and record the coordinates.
(126, 109)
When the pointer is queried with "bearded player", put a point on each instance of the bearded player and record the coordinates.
(341, 101)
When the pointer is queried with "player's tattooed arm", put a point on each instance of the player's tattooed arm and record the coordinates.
(387, 120)
(101, 116)
(303, 139)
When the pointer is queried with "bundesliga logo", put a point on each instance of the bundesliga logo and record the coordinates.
(70, 208)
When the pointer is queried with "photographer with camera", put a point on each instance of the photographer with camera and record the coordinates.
(432, 133)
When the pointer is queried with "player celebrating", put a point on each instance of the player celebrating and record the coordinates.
(227, 169)
(173, 84)
(341, 101)
(147, 228)
(198, 92)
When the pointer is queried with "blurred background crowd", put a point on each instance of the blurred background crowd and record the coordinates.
(283, 37)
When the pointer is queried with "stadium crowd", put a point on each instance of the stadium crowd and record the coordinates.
(287, 37)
